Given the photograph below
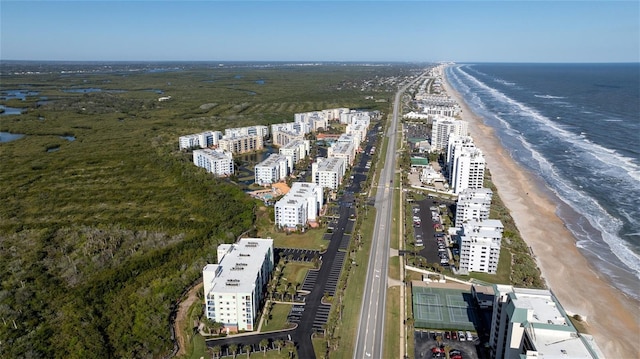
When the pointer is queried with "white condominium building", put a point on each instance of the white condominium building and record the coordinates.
(531, 324)
(480, 246)
(349, 138)
(257, 130)
(241, 143)
(344, 150)
(200, 140)
(300, 128)
(441, 129)
(313, 120)
(234, 287)
(358, 130)
(295, 151)
(353, 115)
(333, 114)
(299, 206)
(273, 169)
(473, 204)
(455, 144)
(328, 172)
(467, 170)
(218, 162)
(281, 137)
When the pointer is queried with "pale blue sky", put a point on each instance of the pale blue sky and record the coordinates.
(462, 31)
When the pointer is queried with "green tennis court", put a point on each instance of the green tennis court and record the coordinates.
(441, 308)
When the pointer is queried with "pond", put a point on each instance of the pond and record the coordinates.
(68, 138)
(8, 136)
(17, 94)
(91, 89)
(10, 111)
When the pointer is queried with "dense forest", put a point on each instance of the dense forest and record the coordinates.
(104, 222)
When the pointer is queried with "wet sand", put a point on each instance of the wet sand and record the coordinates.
(612, 318)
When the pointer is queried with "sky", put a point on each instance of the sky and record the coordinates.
(414, 31)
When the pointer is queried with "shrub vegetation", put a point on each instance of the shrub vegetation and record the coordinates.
(99, 239)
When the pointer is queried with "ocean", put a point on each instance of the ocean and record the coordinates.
(576, 127)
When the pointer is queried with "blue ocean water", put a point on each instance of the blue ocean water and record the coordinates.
(577, 127)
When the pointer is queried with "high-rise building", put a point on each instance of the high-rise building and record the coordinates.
(480, 246)
(442, 127)
(467, 170)
(473, 204)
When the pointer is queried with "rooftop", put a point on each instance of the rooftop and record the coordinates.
(236, 271)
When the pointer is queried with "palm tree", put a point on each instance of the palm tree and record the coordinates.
(264, 343)
(234, 349)
(279, 344)
(292, 292)
(247, 348)
(291, 349)
(217, 350)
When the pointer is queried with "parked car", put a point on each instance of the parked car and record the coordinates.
(469, 336)
(447, 335)
(454, 335)
(461, 336)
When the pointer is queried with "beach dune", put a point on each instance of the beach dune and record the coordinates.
(612, 318)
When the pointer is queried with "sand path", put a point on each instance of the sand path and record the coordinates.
(181, 318)
(612, 317)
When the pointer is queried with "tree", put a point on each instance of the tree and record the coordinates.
(247, 349)
(291, 349)
(217, 350)
(234, 349)
(279, 344)
(292, 292)
(264, 343)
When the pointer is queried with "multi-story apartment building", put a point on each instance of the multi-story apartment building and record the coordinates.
(473, 204)
(455, 144)
(328, 172)
(344, 150)
(281, 137)
(273, 169)
(235, 287)
(442, 127)
(199, 140)
(313, 120)
(241, 144)
(358, 130)
(480, 246)
(467, 170)
(218, 162)
(257, 130)
(300, 206)
(531, 323)
(295, 151)
(353, 116)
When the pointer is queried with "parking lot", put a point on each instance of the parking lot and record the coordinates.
(425, 344)
(434, 241)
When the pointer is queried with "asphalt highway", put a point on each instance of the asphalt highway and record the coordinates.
(370, 338)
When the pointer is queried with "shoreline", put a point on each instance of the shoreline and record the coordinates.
(611, 316)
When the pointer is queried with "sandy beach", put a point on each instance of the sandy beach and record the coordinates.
(612, 318)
